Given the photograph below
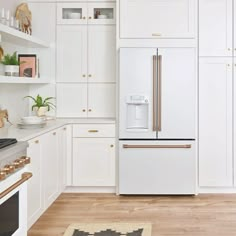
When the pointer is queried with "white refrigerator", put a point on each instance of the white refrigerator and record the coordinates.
(157, 121)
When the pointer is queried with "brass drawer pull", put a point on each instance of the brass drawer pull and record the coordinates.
(24, 178)
(156, 34)
(157, 146)
(93, 131)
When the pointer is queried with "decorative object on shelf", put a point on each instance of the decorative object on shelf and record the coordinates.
(3, 115)
(41, 105)
(24, 15)
(28, 63)
(3, 19)
(97, 13)
(11, 64)
(1, 51)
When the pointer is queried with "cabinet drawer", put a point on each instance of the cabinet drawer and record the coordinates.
(94, 130)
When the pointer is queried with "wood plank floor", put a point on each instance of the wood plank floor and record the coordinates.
(204, 215)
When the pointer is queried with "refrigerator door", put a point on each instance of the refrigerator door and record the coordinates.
(157, 167)
(138, 90)
(176, 93)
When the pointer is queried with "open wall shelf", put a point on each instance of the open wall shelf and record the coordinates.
(23, 80)
(16, 37)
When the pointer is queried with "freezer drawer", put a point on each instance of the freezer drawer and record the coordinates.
(152, 167)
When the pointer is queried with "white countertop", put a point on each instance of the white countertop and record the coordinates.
(27, 134)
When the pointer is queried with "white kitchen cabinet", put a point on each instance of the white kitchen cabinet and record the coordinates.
(72, 53)
(35, 185)
(50, 167)
(101, 100)
(71, 13)
(215, 122)
(157, 19)
(215, 28)
(94, 162)
(72, 100)
(101, 53)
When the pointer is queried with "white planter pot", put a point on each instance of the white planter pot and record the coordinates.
(41, 111)
(11, 70)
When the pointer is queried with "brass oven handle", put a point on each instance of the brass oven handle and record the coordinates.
(24, 177)
(93, 131)
(157, 146)
(154, 128)
(159, 85)
(156, 34)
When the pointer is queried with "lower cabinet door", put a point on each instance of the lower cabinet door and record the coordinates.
(215, 122)
(35, 192)
(157, 167)
(94, 162)
(50, 167)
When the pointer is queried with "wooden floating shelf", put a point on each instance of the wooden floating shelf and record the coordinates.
(23, 80)
(14, 36)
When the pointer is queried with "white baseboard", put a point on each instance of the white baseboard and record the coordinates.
(90, 190)
(221, 190)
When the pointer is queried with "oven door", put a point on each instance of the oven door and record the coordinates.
(13, 205)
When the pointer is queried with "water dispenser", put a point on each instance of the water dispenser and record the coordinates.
(137, 112)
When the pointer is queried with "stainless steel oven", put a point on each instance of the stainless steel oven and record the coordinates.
(13, 190)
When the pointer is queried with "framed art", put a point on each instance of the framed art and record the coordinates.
(28, 64)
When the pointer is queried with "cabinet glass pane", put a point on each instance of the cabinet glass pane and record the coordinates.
(72, 13)
(103, 13)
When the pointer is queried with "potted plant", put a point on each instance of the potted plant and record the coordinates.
(11, 64)
(41, 105)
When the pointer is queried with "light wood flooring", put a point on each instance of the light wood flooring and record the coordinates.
(203, 215)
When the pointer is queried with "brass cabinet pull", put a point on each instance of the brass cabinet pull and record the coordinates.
(93, 131)
(159, 85)
(36, 141)
(90, 17)
(90, 75)
(84, 110)
(24, 178)
(84, 18)
(90, 110)
(84, 76)
(54, 133)
(65, 129)
(112, 146)
(154, 128)
(157, 146)
(156, 34)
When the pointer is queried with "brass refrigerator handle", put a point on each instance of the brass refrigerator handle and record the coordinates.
(158, 146)
(24, 177)
(159, 85)
(154, 128)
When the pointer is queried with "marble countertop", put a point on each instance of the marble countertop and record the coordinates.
(27, 134)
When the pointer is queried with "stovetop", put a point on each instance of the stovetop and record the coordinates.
(7, 142)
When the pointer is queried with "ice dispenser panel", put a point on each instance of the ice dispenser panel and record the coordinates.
(137, 112)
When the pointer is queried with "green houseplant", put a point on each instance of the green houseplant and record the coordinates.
(11, 64)
(41, 105)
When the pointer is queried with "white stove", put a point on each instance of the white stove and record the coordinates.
(13, 188)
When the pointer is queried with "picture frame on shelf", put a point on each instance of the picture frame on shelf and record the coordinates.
(28, 65)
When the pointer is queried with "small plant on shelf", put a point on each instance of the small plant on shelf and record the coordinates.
(11, 64)
(42, 105)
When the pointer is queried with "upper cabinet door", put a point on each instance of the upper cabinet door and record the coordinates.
(176, 96)
(101, 53)
(72, 13)
(157, 18)
(72, 53)
(215, 28)
(101, 13)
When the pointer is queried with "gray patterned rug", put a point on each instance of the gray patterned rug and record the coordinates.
(109, 229)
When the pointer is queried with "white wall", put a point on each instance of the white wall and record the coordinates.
(10, 5)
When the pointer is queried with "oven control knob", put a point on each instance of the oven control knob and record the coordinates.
(5, 170)
(26, 160)
(2, 175)
(16, 164)
(11, 168)
(21, 162)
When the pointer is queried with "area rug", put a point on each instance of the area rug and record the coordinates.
(109, 229)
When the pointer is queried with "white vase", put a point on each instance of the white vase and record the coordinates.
(11, 70)
(41, 111)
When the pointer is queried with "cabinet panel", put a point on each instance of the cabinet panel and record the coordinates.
(35, 186)
(101, 53)
(101, 100)
(93, 162)
(215, 28)
(72, 53)
(50, 159)
(157, 19)
(72, 13)
(215, 122)
(177, 104)
(72, 100)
